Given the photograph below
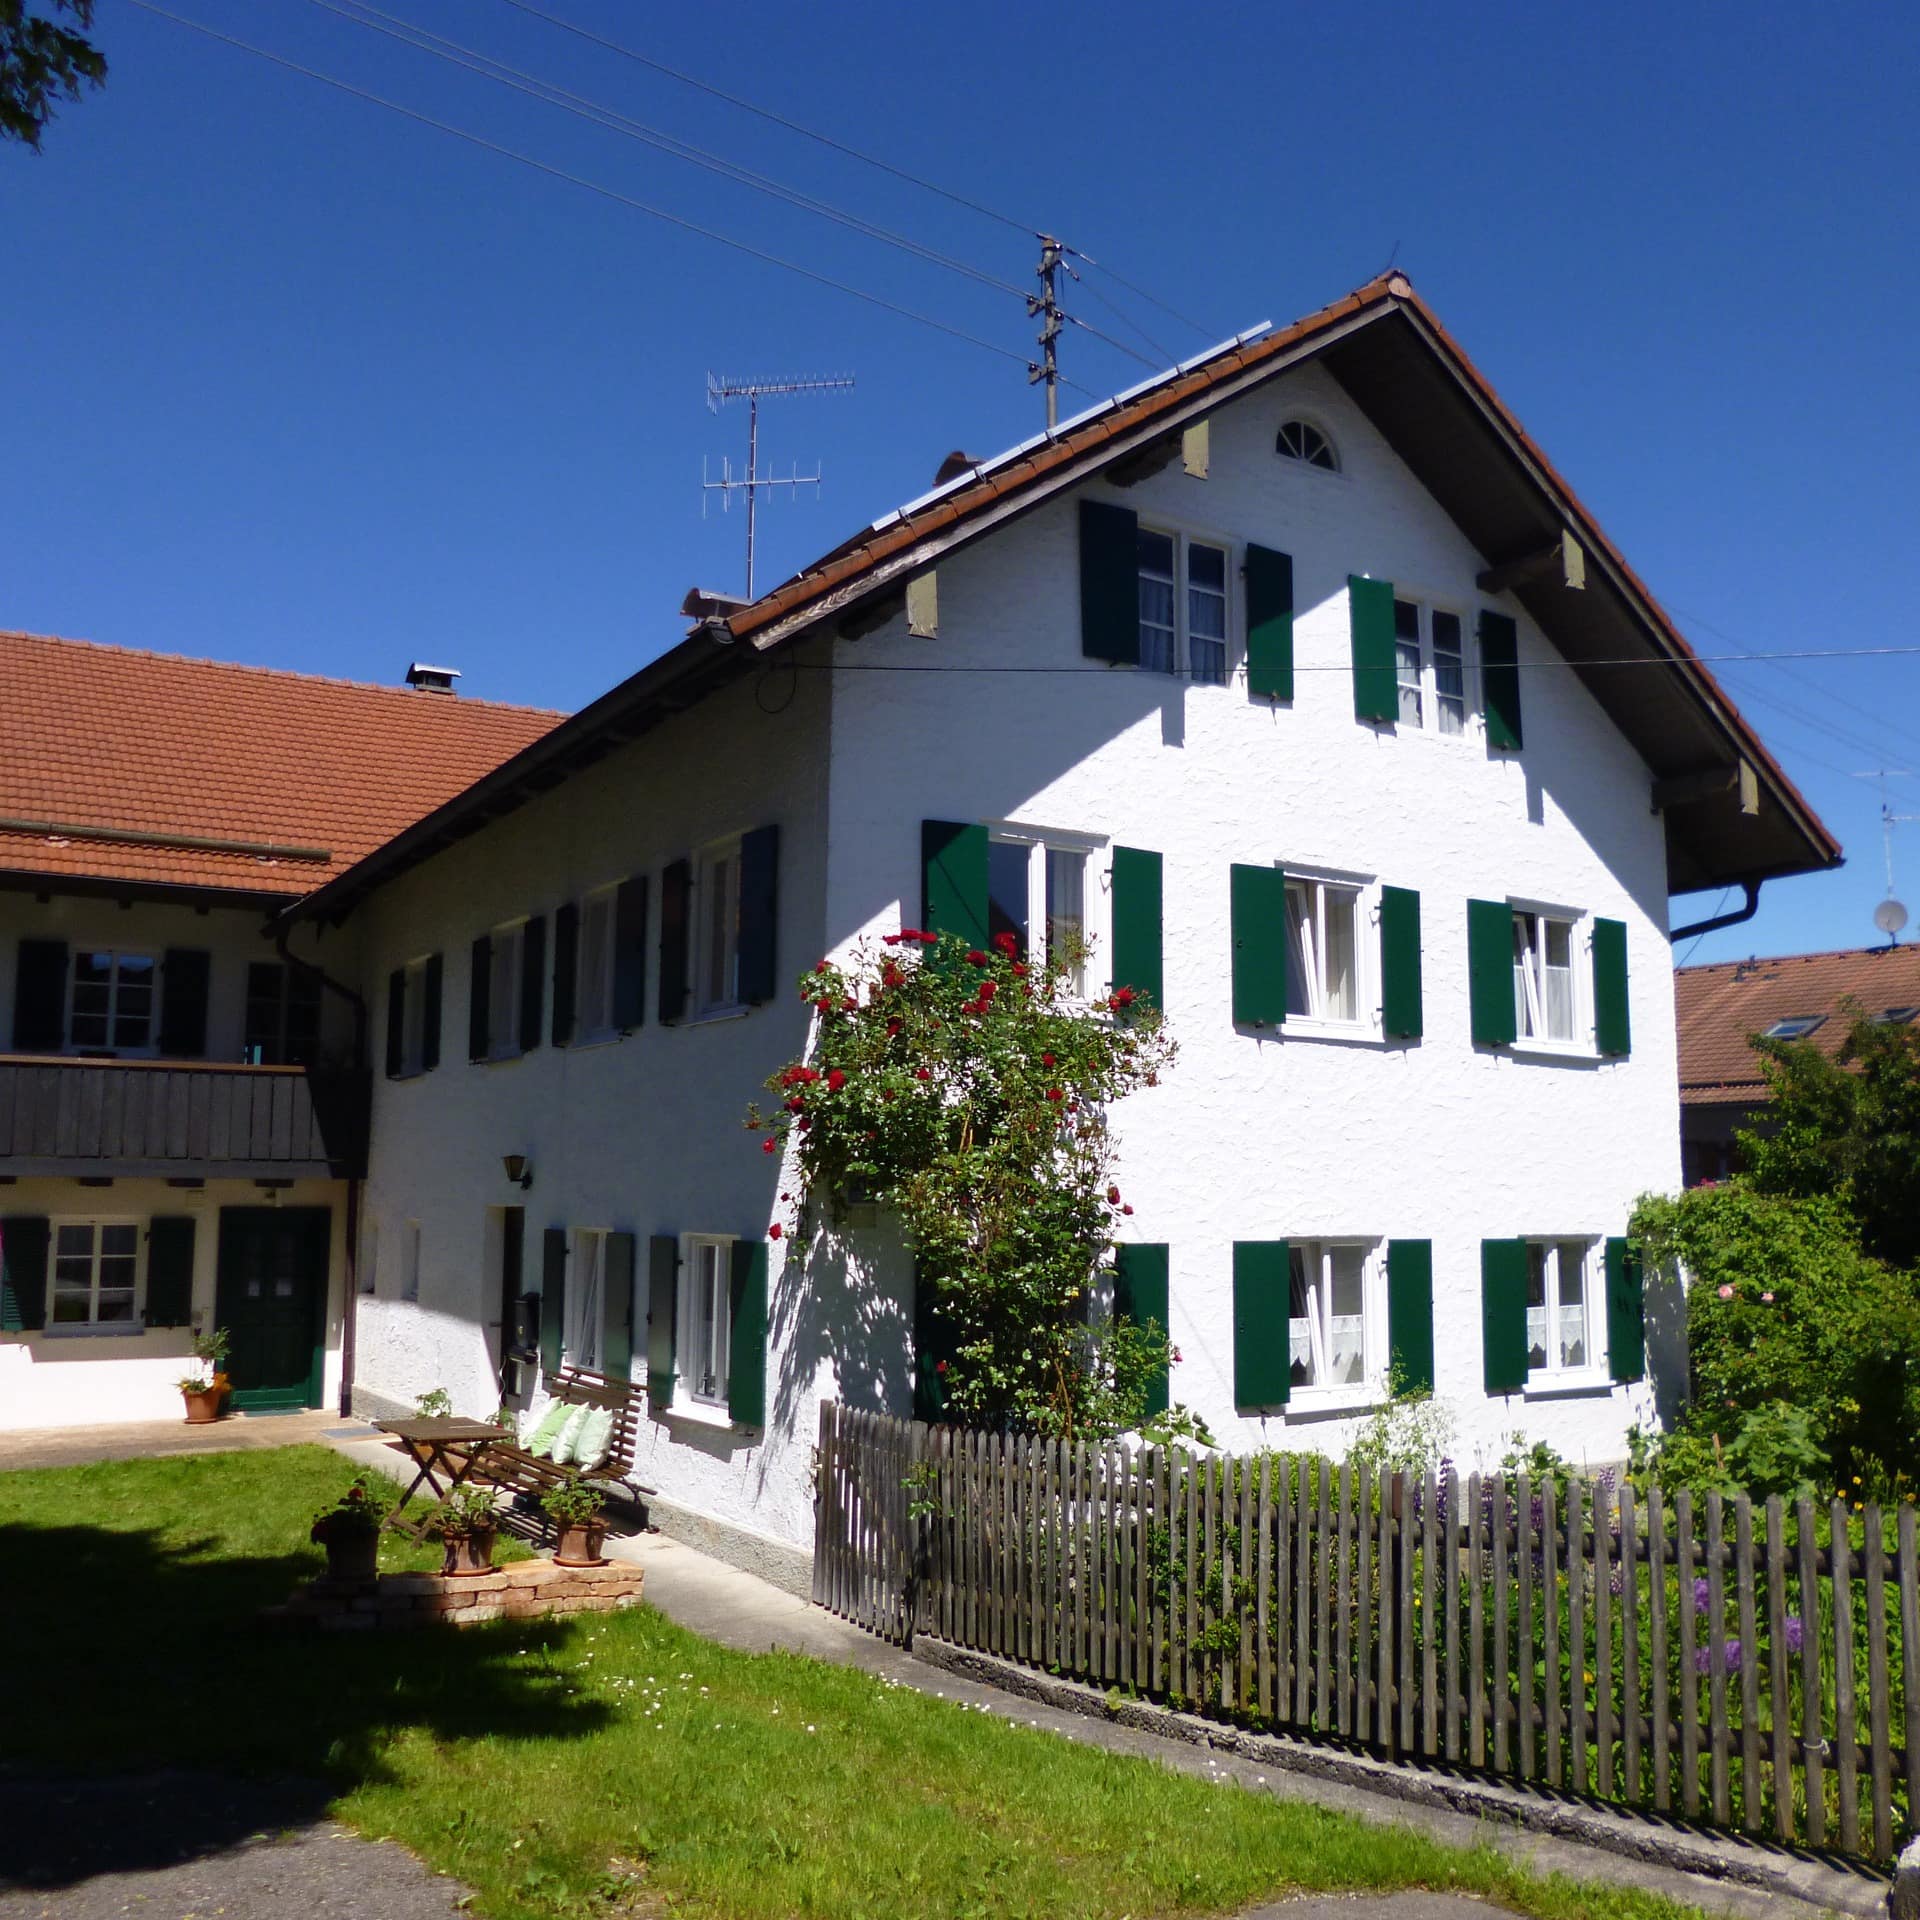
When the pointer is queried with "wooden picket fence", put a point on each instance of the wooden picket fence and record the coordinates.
(1754, 1667)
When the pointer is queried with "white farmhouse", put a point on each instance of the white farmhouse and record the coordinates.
(1306, 688)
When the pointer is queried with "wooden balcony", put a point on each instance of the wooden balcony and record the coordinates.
(180, 1118)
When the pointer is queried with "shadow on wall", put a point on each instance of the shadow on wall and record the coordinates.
(851, 1321)
(1667, 1367)
(195, 1678)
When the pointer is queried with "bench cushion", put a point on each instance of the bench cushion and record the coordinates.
(560, 1448)
(542, 1433)
(589, 1446)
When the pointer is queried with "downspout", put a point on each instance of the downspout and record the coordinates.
(1720, 920)
(350, 1307)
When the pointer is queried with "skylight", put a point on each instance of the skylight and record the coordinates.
(1795, 1029)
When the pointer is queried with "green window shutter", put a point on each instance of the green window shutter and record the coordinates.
(1490, 973)
(1140, 1296)
(431, 977)
(533, 980)
(1402, 1011)
(1410, 1313)
(1500, 677)
(170, 1270)
(40, 997)
(186, 976)
(676, 892)
(618, 1358)
(1259, 911)
(23, 1272)
(1376, 685)
(953, 880)
(1109, 583)
(479, 991)
(630, 953)
(1503, 1314)
(1612, 1023)
(1626, 1313)
(1137, 946)
(553, 1298)
(566, 970)
(1269, 623)
(759, 913)
(663, 1313)
(396, 1023)
(747, 1334)
(1262, 1289)
(932, 1347)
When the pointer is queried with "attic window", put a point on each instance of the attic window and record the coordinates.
(1302, 440)
(1795, 1029)
(1895, 1017)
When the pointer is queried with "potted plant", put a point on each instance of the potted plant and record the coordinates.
(468, 1525)
(205, 1389)
(350, 1528)
(580, 1531)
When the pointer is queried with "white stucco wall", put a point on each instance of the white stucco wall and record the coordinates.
(55, 1378)
(1254, 1138)
(1248, 1139)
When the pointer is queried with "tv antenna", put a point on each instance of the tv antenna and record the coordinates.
(1890, 916)
(719, 391)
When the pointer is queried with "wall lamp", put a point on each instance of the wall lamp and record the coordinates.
(518, 1168)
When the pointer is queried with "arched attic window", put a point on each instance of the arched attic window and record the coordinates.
(1302, 440)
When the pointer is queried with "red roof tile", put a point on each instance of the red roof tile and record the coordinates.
(156, 744)
(1718, 1006)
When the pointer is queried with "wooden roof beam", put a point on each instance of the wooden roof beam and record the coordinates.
(1562, 564)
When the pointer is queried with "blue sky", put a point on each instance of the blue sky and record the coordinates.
(299, 381)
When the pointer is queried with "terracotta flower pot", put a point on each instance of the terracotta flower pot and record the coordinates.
(353, 1555)
(579, 1543)
(203, 1408)
(469, 1554)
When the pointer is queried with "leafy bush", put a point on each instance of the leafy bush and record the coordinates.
(1802, 1347)
(1409, 1433)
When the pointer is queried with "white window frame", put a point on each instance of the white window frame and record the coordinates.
(1365, 1023)
(1040, 842)
(708, 1004)
(1593, 1371)
(1183, 541)
(696, 1248)
(1426, 606)
(506, 967)
(410, 1260)
(148, 1047)
(413, 1018)
(1532, 982)
(96, 1224)
(1315, 1252)
(584, 1337)
(596, 967)
(1301, 460)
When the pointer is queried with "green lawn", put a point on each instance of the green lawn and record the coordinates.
(618, 1764)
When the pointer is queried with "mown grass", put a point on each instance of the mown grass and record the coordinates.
(618, 1764)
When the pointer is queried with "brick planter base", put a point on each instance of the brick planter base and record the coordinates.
(527, 1590)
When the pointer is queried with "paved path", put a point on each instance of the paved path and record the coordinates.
(151, 1439)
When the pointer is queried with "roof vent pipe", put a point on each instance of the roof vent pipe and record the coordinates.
(425, 679)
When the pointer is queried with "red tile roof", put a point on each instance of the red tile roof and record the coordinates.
(1718, 1006)
(153, 746)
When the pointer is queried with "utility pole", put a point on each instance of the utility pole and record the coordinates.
(719, 391)
(1045, 305)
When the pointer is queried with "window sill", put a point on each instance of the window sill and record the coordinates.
(701, 1413)
(1326, 1403)
(76, 1330)
(712, 1016)
(500, 1059)
(1353, 1033)
(1566, 1052)
(1588, 1381)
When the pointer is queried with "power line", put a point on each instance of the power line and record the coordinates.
(1126, 319)
(778, 119)
(592, 186)
(439, 47)
(1173, 313)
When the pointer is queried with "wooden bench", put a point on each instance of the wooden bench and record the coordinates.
(511, 1466)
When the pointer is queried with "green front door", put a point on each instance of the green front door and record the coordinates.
(272, 1300)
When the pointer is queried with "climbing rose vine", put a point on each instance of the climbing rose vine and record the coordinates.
(968, 1089)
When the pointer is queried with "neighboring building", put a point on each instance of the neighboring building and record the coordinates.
(1301, 680)
(1797, 996)
(182, 1110)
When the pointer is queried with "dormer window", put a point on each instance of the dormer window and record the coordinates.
(1302, 440)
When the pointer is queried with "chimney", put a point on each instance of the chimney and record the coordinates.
(425, 679)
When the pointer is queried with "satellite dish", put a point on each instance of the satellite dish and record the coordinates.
(1890, 916)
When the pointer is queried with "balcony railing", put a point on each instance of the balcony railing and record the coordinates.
(180, 1118)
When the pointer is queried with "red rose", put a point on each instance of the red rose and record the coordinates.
(923, 1073)
(836, 1080)
(849, 1003)
(786, 1196)
(1126, 1209)
(821, 968)
(893, 1027)
(769, 1146)
(796, 1104)
(824, 1004)
(1123, 998)
(1007, 944)
(1113, 1196)
(774, 1232)
(975, 958)
(1046, 1059)
(939, 1366)
(988, 988)
(891, 939)
(1053, 1093)
(1019, 969)
(926, 939)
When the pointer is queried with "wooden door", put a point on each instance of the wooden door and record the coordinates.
(272, 1299)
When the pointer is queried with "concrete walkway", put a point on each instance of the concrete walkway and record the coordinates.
(152, 1439)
